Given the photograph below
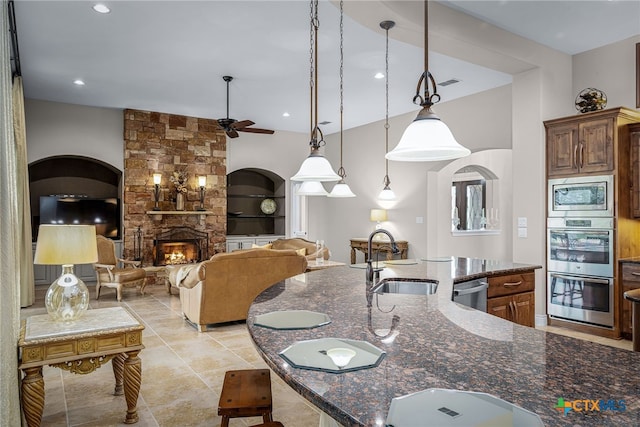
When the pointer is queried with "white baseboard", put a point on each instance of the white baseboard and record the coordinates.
(541, 320)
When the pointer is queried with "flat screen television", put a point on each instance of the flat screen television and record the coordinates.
(103, 213)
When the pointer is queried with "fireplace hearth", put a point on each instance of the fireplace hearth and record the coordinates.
(180, 245)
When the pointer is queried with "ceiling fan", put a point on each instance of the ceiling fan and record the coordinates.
(233, 126)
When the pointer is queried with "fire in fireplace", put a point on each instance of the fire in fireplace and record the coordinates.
(180, 245)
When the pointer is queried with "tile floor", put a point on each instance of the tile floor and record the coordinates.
(182, 372)
(182, 369)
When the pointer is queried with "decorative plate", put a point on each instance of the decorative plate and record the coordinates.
(268, 206)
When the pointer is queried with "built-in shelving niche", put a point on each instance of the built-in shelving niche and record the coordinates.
(246, 190)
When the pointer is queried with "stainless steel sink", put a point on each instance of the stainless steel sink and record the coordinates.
(406, 286)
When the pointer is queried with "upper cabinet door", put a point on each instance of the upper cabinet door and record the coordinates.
(562, 150)
(595, 154)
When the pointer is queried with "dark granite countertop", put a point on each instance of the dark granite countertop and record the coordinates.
(442, 344)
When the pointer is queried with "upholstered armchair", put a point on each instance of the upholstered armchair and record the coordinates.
(109, 274)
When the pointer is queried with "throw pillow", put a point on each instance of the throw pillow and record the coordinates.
(267, 246)
(302, 251)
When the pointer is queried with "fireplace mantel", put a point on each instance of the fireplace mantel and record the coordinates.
(180, 212)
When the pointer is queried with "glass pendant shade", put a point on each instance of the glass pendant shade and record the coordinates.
(68, 297)
(316, 168)
(311, 188)
(427, 140)
(341, 190)
(387, 194)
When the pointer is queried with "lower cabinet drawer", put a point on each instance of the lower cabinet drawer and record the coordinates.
(511, 284)
(631, 272)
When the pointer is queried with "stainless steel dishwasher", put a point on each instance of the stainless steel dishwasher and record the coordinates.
(472, 293)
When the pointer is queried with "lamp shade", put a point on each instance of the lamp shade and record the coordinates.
(387, 195)
(341, 190)
(311, 188)
(202, 180)
(66, 244)
(316, 168)
(425, 140)
(157, 178)
(378, 215)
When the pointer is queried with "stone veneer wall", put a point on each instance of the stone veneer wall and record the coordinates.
(164, 143)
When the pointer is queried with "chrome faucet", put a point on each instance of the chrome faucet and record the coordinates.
(373, 273)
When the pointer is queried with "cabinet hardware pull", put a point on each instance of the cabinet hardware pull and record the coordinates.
(575, 156)
(511, 284)
(633, 273)
(581, 155)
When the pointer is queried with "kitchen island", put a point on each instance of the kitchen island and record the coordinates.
(441, 344)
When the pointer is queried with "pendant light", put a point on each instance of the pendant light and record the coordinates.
(315, 167)
(427, 138)
(387, 194)
(311, 188)
(341, 189)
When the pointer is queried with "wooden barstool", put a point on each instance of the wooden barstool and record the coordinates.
(634, 296)
(271, 424)
(246, 393)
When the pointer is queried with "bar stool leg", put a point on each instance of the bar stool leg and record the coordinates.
(636, 326)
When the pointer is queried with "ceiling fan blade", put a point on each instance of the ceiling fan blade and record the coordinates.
(231, 133)
(256, 130)
(242, 124)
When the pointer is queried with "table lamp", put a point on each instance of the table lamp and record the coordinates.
(378, 215)
(68, 297)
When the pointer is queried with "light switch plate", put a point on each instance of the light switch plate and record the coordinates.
(522, 221)
(522, 232)
(419, 219)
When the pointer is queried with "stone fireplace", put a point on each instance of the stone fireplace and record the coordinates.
(166, 143)
(180, 245)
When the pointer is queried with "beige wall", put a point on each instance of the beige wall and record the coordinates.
(611, 69)
(55, 129)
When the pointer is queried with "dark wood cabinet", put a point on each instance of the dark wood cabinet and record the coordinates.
(519, 308)
(630, 281)
(511, 297)
(634, 142)
(586, 144)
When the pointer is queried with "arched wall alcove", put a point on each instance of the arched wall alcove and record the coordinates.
(495, 243)
(74, 176)
(247, 189)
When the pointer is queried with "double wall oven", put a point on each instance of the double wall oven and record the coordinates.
(580, 242)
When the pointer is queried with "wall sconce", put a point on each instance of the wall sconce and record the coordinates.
(202, 181)
(157, 178)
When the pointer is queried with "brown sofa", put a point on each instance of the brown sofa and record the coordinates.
(222, 288)
(298, 243)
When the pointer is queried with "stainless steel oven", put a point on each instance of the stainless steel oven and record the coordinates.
(580, 246)
(580, 269)
(585, 196)
(581, 298)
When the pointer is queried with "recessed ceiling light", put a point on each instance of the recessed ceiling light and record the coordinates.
(101, 8)
(379, 76)
(78, 82)
(285, 114)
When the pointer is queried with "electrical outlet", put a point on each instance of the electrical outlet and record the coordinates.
(522, 221)
(522, 232)
(419, 219)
